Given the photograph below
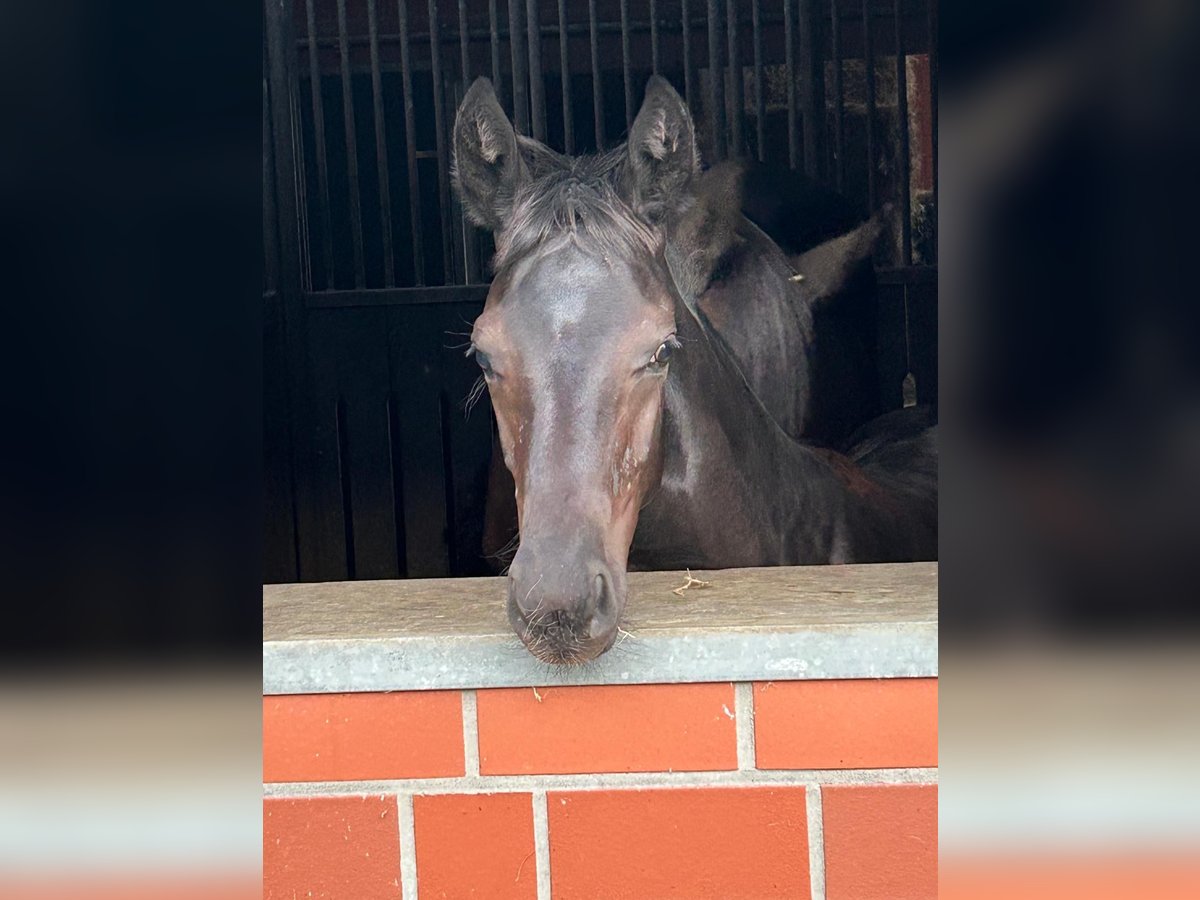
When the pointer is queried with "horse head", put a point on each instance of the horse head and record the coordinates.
(575, 342)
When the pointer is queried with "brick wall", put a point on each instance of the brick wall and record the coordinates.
(821, 789)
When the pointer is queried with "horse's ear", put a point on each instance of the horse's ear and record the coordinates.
(828, 267)
(662, 151)
(710, 227)
(488, 168)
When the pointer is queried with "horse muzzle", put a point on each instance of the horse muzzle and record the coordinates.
(564, 614)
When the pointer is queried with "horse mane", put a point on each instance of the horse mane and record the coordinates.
(572, 200)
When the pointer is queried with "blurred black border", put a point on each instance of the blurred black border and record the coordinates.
(131, 207)
(1069, 325)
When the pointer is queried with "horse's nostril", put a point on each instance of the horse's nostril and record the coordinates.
(601, 594)
(602, 613)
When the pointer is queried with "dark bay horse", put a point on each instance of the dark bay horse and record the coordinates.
(624, 416)
(800, 328)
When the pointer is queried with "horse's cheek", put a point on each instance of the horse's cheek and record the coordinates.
(645, 431)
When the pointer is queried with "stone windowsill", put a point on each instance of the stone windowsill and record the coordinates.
(820, 622)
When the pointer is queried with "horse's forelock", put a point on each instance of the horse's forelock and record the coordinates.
(573, 199)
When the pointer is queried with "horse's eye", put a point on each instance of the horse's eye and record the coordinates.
(663, 353)
(484, 363)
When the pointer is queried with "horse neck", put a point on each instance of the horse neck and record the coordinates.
(719, 417)
(736, 490)
(762, 316)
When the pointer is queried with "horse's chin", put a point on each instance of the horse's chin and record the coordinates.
(571, 653)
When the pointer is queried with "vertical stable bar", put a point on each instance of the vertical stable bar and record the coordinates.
(789, 39)
(685, 21)
(626, 74)
(285, 131)
(812, 101)
(869, 63)
(464, 44)
(270, 225)
(469, 243)
(654, 36)
(537, 98)
(381, 154)
(494, 37)
(932, 27)
(839, 106)
(597, 83)
(737, 98)
(564, 62)
(351, 148)
(410, 143)
(760, 107)
(903, 183)
(439, 127)
(318, 108)
(716, 80)
(520, 79)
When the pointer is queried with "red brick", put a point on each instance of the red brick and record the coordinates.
(331, 847)
(881, 842)
(876, 724)
(347, 737)
(622, 728)
(724, 843)
(478, 845)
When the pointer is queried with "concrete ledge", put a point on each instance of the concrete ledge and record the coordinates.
(819, 622)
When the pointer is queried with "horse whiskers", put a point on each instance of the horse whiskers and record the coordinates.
(649, 497)
(530, 593)
(509, 548)
(473, 396)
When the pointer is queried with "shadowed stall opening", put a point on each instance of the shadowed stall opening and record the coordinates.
(373, 470)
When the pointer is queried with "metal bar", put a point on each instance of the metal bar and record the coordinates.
(839, 105)
(636, 26)
(464, 44)
(469, 237)
(351, 148)
(685, 22)
(654, 36)
(932, 26)
(760, 107)
(318, 107)
(537, 88)
(904, 182)
(597, 83)
(494, 38)
(410, 142)
(869, 63)
(451, 293)
(285, 125)
(565, 73)
(812, 101)
(716, 79)
(626, 74)
(381, 154)
(737, 100)
(520, 77)
(439, 127)
(789, 39)
(270, 225)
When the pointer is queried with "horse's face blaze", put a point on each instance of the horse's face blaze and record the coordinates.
(575, 349)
